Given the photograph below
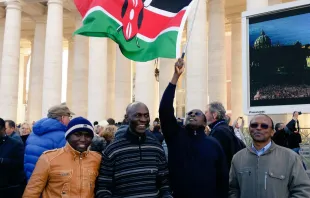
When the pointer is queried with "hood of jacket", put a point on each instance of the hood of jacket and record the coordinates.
(47, 125)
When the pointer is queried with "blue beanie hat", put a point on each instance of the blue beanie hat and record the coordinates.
(79, 124)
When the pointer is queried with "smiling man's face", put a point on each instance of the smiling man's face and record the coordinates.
(139, 118)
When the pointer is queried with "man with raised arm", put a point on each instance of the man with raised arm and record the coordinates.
(197, 163)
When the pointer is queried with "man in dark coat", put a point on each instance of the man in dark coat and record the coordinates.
(197, 163)
(281, 136)
(220, 130)
(294, 139)
(12, 175)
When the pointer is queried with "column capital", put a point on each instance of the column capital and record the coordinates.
(60, 2)
(13, 4)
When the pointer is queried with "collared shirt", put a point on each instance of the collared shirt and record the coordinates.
(263, 150)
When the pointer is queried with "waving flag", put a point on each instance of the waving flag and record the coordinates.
(143, 29)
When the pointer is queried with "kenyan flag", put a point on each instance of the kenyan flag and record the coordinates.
(143, 29)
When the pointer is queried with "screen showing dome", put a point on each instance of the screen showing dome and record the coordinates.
(279, 58)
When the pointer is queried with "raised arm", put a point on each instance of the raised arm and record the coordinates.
(168, 121)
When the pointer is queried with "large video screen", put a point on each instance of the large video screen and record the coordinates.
(279, 58)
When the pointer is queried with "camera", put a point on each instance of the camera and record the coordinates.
(299, 113)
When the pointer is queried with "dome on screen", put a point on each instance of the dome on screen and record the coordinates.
(263, 41)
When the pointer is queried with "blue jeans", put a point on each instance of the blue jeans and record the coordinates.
(296, 150)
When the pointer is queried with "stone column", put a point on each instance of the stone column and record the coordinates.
(70, 70)
(166, 71)
(10, 60)
(97, 78)
(145, 86)
(196, 59)
(122, 85)
(1, 42)
(21, 81)
(80, 74)
(53, 56)
(110, 109)
(236, 69)
(217, 62)
(36, 70)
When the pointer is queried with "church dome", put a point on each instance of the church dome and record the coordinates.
(263, 41)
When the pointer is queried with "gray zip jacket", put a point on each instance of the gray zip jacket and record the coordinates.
(278, 173)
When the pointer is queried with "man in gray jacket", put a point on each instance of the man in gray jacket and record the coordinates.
(266, 169)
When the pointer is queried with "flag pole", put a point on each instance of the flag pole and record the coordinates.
(190, 30)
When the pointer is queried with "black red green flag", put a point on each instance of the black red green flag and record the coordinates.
(143, 29)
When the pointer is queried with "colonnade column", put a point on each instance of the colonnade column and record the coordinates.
(21, 86)
(236, 69)
(52, 77)
(123, 85)
(216, 55)
(97, 78)
(80, 73)
(34, 108)
(110, 110)
(70, 70)
(145, 86)
(1, 42)
(10, 60)
(196, 59)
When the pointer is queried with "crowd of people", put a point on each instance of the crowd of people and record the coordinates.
(271, 92)
(202, 156)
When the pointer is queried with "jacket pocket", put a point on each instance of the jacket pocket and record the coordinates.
(246, 178)
(275, 181)
(61, 176)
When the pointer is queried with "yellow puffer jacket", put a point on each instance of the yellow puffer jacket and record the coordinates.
(64, 173)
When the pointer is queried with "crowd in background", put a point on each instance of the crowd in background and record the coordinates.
(281, 92)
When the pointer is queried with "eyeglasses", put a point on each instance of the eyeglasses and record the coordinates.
(195, 113)
(263, 126)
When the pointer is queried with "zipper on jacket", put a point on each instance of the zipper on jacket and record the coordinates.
(81, 178)
(140, 148)
(257, 177)
(265, 180)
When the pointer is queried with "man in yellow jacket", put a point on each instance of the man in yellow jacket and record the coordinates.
(70, 171)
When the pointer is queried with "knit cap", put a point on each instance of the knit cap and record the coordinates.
(79, 124)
